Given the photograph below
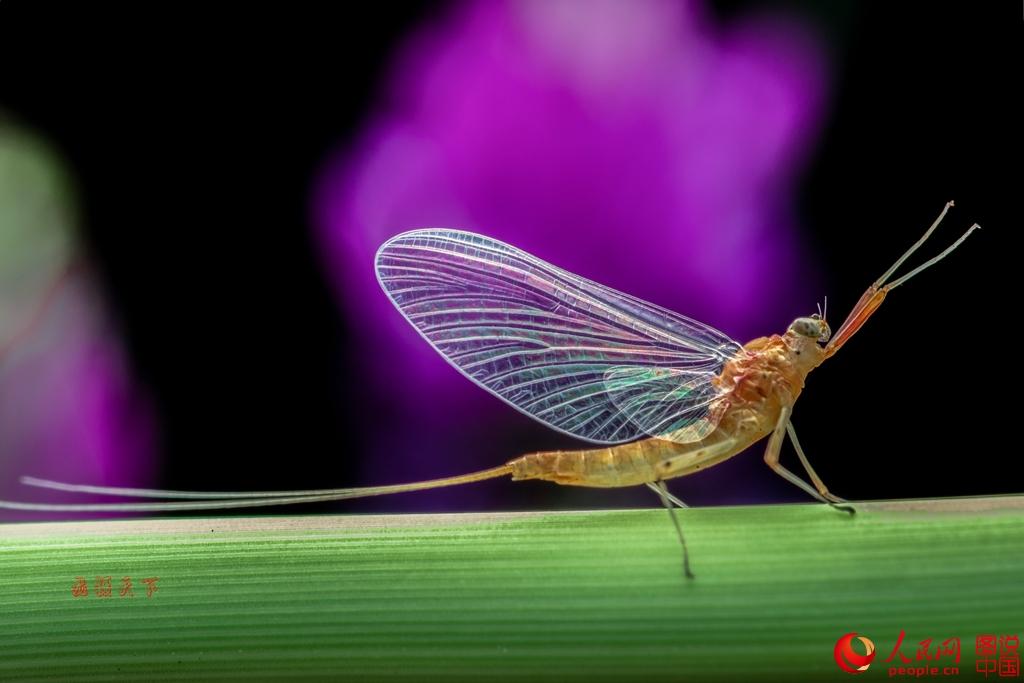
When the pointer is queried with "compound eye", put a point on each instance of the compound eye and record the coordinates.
(807, 327)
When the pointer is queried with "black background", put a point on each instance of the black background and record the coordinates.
(194, 134)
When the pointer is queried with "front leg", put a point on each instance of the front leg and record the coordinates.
(774, 451)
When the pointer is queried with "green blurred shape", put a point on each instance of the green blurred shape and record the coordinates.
(37, 219)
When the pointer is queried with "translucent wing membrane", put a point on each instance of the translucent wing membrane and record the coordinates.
(676, 405)
(580, 357)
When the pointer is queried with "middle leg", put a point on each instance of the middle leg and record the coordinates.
(774, 451)
(818, 483)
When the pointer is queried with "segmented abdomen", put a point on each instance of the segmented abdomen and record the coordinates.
(630, 464)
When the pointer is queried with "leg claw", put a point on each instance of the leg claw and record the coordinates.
(844, 508)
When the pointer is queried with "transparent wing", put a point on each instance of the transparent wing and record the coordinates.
(580, 357)
(677, 405)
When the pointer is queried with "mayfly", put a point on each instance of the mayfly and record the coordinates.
(657, 394)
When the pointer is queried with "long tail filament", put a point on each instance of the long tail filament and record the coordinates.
(222, 500)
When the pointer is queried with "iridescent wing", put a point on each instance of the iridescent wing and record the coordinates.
(580, 357)
(677, 405)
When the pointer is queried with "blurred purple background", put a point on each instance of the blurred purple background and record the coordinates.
(70, 406)
(734, 161)
(637, 144)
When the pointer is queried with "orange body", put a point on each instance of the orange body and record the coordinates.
(766, 376)
(757, 390)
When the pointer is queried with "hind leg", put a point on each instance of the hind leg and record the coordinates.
(660, 491)
(666, 499)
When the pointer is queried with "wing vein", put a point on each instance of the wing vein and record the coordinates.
(578, 356)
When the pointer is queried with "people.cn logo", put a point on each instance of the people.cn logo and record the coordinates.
(850, 660)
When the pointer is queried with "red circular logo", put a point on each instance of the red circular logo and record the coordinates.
(851, 661)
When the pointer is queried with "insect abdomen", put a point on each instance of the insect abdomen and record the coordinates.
(626, 465)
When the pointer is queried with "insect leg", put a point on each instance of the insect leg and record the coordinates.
(917, 245)
(933, 260)
(818, 483)
(675, 501)
(774, 451)
(666, 500)
(875, 294)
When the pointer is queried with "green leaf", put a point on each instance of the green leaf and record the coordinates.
(573, 596)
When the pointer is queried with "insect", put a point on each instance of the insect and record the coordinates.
(658, 395)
